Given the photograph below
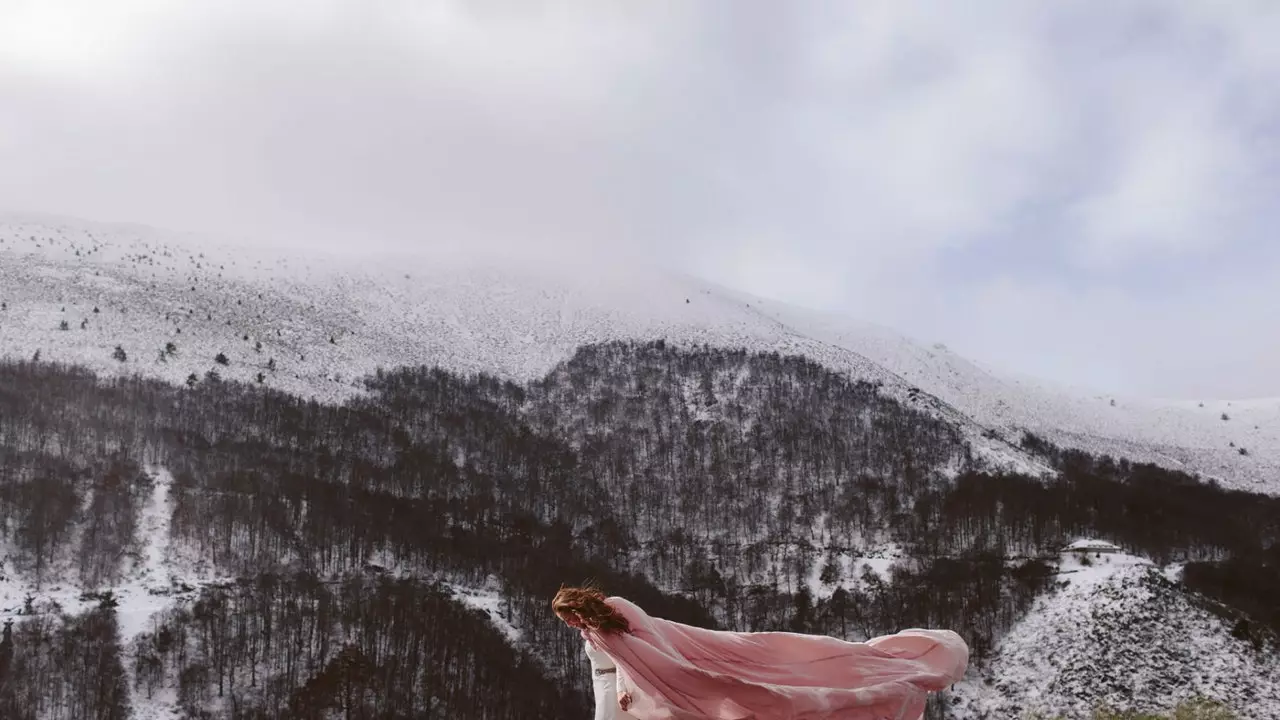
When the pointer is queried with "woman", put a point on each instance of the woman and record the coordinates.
(649, 668)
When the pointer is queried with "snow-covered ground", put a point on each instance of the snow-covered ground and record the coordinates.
(315, 325)
(488, 600)
(150, 585)
(1118, 630)
(153, 582)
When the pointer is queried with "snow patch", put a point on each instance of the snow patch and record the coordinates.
(489, 601)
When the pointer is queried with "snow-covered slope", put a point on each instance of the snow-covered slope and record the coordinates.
(1237, 442)
(153, 577)
(314, 325)
(1119, 630)
(161, 576)
(156, 578)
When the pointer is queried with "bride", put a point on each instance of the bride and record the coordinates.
(648, 668)
(610, 704)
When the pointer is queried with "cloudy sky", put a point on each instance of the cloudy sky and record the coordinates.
(1087, 191)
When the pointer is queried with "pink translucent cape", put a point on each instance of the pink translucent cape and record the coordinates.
(680, 672)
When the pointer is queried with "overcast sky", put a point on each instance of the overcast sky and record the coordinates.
(1086, 191)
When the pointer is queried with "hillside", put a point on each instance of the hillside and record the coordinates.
(318, 526)
(315, 325)
(712, 486)
(1118, 633)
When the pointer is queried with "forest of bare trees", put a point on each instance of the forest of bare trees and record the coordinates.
(716, 487)
(63, 667)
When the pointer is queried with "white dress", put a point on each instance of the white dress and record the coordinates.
(606, 686)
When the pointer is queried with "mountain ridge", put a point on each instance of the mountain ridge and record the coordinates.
(325, 321)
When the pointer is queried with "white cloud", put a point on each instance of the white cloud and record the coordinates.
(1177, 112)
(1176, 187)
(64, 39)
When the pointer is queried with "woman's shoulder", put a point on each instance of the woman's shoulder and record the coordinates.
(621, 604)
(635, 616)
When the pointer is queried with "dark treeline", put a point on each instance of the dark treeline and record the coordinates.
(735, 447)
(364, 648)
(1166, 514)
(58, 667)
(266, 484)
(1229, 539)
(1249, 582)
(63, 510)
(712, 486)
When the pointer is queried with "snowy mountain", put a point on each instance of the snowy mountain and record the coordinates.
(1118, 632)
(314, 325)
(781, 469)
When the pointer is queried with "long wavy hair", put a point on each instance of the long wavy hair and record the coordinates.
(587, 602)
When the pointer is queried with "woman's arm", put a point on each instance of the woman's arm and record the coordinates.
(624, 690)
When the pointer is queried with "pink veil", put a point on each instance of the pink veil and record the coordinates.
(680, 672)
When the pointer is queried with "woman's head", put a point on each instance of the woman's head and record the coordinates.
(585, 608)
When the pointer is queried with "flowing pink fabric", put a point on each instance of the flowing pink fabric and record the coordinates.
(680, 672)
